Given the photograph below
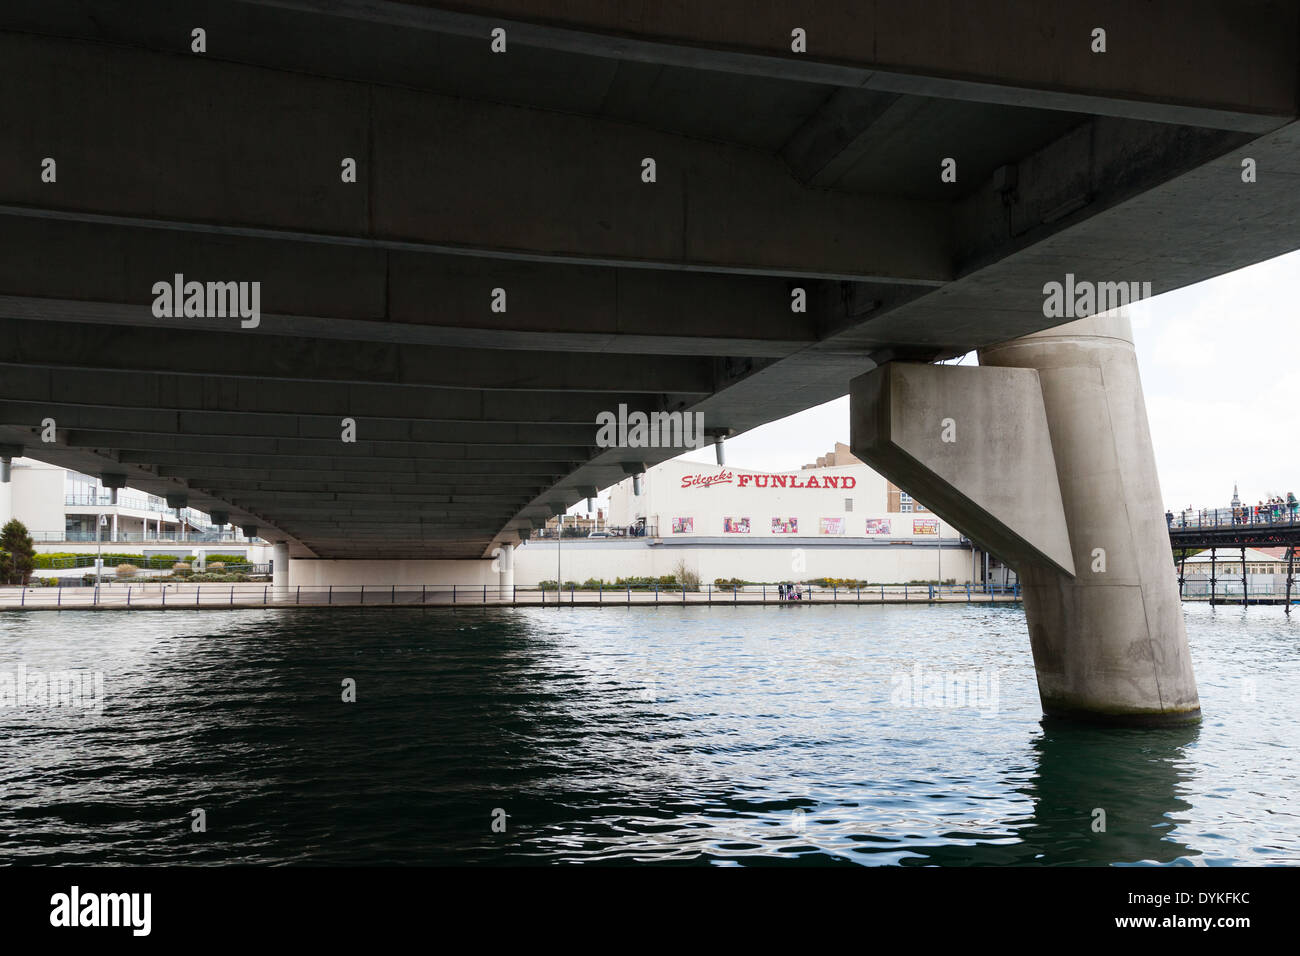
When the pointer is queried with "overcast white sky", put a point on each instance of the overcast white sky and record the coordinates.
(1220, 364)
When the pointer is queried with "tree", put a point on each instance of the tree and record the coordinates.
(19, 556)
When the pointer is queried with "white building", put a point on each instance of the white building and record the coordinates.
(61, 510)
(835, 518)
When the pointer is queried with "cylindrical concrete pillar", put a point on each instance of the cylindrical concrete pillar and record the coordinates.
(280, 570)
(6, 492)
(1109, 643)
(507, 570)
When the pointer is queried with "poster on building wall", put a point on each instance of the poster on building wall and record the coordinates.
(785, 525)
(683, 525)
(832, 525)
(925, 526)
(879, 526)
(735, 526)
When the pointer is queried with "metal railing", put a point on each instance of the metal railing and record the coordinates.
(151, 563)
(603, 532)
(135, 502)
(1275, 514)
(147, 594)
(106, 536)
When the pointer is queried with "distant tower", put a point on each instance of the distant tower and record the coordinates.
(1236, 502)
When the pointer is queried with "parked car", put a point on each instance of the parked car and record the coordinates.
(600, 534)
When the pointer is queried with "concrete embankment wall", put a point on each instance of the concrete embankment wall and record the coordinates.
(789, 561)
(582, 559)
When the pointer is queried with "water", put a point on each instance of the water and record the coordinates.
(694, 735)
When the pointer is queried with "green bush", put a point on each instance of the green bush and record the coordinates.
(17, 553)
(72, 559)
(729, 584)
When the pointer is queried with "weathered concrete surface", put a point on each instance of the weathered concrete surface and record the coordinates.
(777, 171)
(971, 444)
(1109, 642)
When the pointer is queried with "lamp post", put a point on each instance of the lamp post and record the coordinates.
(939, 531)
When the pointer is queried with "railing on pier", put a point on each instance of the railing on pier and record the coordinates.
(170, 594)
(604, 532)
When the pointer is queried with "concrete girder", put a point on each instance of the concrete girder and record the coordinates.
(403, 297)
(710, 209)
(175, 393)
(1032, 53)
(265, 431)
(482, 457)
(449, 459)
(273, 358)
(1023, 52)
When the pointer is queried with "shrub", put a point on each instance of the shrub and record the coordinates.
(17, 553)
(181, 568)
(593, 584)
(126, 570)
(216, 567)
(729, 584)
(686, 577)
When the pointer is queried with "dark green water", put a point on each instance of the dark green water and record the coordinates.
(670, 735)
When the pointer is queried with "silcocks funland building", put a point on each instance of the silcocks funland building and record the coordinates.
(836, 497)
(831, 518)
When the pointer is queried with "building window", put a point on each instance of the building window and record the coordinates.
(848, 504)
(906, 507)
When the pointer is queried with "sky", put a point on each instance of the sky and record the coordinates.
(1219, 361)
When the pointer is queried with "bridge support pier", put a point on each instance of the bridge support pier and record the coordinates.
(1044, 452)
(6, 491)
(506, 570)
(1109, 642)
(280, 571)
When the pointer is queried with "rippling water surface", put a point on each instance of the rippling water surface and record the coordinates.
(677, 734)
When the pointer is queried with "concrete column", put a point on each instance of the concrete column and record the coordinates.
(280, 570)
(507, 570)
(6, 492)
(1109, 642)
(114, 537)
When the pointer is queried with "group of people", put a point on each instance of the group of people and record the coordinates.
(790, 592)
(1274, 509)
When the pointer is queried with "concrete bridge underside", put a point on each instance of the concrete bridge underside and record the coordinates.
(776, 169)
